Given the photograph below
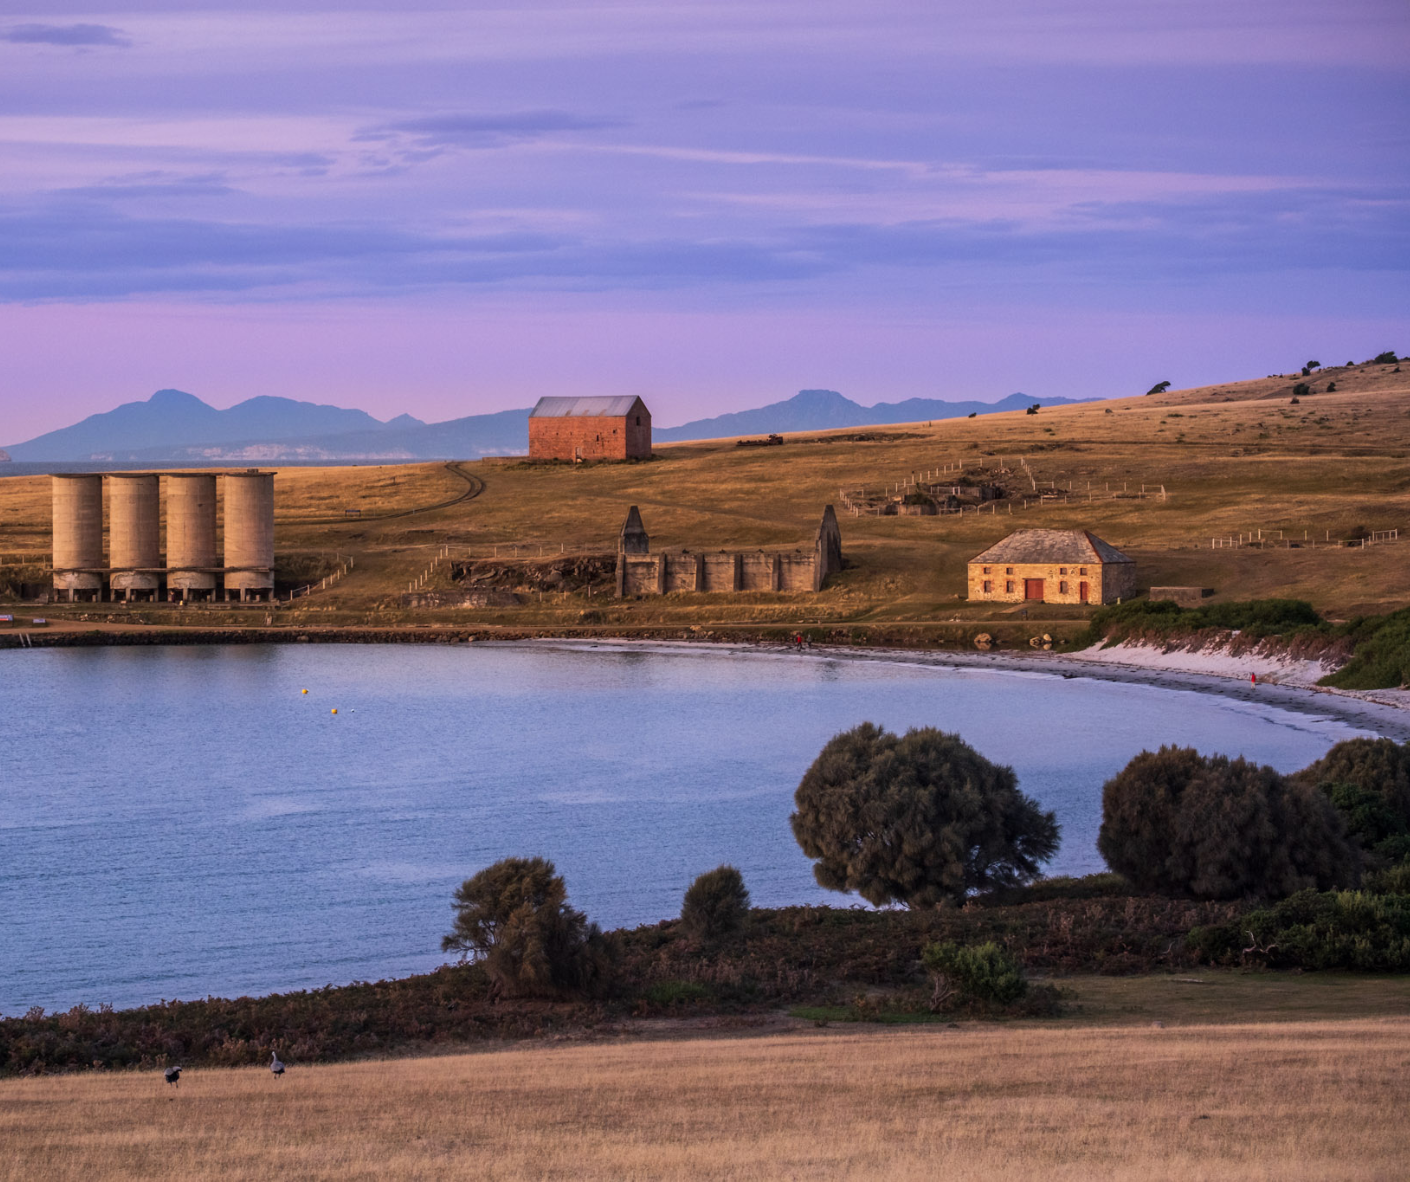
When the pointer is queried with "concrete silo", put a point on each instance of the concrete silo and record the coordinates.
(191, 558)
(249, 535)
(134, 536)
(78, 537)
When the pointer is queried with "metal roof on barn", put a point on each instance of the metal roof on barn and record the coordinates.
(1051, 545)
(585, 408)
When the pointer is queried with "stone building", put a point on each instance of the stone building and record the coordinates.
(590, 429)
(639, 572)
(1052, 566)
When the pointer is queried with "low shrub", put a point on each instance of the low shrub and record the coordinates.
(1258, 617)
(671, 994)
(1355, 930)
(716, 904)
(1062, 886)
(295, 570)
(982, 974)
(1380, 654)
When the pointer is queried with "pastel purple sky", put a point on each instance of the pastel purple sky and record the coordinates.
(459, 208)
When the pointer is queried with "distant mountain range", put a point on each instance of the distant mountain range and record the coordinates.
(822, 410)
(175, 427)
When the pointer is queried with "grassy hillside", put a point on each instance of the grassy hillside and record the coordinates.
(1232, 459)
(1290, 1101)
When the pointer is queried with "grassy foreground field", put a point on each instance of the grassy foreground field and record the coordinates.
(1288, 1101)
(1231, 460)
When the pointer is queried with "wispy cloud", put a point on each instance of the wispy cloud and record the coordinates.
(68, 35)
(469, 130)
(152, 184)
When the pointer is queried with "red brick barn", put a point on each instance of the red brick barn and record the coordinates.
(590, 429)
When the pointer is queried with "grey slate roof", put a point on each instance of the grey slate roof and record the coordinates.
(1051, 545)
(563, 408)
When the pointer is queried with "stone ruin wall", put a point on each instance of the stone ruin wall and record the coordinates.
(640, 572)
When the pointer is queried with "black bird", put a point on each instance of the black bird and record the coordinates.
(275, 1067)
(173, 1075)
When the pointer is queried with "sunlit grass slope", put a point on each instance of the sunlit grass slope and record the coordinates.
(1232, 459)
(1290, 1101)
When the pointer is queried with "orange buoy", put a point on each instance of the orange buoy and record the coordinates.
(335, 710)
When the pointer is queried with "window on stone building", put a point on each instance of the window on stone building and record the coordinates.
(1062, 570)
(638, 420)
(1082, 571)
(1008, 587)
(986, 570)
(988, 586)
(1008, 570)
(1062, 587)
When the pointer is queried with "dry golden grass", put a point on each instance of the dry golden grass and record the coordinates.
(1290, 1101)
(1233, 458)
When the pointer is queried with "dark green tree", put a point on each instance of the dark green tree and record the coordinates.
(514, 918)
(1159, 388)
(1179, 823)
(917, 819)
(1368, 781)
(716, 904)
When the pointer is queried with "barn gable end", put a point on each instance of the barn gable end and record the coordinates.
(590, 429)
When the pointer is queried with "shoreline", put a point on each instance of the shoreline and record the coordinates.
(1385, 712)
(1388, 719)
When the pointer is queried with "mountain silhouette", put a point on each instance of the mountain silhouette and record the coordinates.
(821, 410)
(173, 418)
(175, 427)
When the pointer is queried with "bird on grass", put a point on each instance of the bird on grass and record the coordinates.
(173, 1075)
(275, 1067)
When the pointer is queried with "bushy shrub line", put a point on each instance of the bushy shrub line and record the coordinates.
(789, 956)
(1379, 645)
(1355, 930)
(1380, 657)
(1260, 618)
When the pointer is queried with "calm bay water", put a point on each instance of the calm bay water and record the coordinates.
(176, 822)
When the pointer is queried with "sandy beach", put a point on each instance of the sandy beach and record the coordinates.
(1285, 683)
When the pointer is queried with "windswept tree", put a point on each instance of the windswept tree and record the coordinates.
(514, 918)
(716, 904)
(1180, 823)
(918, 818)
(1158, 388)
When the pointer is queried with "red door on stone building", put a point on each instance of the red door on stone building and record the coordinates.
(1082, 590)
(1033, 589)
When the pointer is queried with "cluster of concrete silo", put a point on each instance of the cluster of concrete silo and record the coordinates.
(193, 568)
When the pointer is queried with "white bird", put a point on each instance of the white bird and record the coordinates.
(275, 1067)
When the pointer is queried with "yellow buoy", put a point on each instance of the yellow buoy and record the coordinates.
(303, 691)
(335, 710)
